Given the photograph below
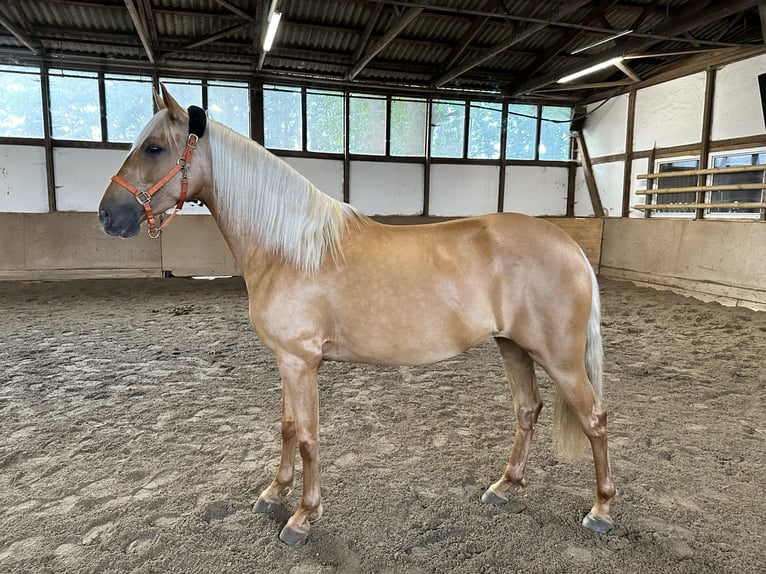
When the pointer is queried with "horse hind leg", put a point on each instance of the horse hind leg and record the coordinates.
(585, 413)
(520, 371)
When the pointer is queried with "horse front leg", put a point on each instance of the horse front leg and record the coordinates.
(270, 499)
(300, 427)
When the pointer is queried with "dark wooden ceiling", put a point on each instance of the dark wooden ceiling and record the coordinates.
(516, 48)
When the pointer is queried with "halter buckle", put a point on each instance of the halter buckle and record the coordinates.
(143, 198)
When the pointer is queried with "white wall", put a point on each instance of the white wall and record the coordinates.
(669, 114)
(23, 181)
(82, 175)
(606, 126)
(536, 190)
(736, 101)
(379, 188)
(463, 189)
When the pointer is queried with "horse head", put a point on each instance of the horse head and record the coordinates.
(145, 183)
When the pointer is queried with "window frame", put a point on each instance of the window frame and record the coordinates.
(709, 180)
(671, 214)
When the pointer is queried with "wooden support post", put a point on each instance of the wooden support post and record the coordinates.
(590, 180)
(707, 121)
(628, 167)
(503, 165)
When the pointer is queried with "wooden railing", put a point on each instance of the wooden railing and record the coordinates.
(700, 204)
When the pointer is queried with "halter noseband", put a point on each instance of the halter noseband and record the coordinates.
(197, 124)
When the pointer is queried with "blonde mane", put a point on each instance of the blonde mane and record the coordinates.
(261, 198)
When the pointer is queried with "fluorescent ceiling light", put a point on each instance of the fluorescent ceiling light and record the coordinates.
(271, 32)
(594, 68)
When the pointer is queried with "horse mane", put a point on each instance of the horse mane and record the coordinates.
(260, 197)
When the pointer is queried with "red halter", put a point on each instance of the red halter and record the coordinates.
(196, 123)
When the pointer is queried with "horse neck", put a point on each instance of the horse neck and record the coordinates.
(266, 209)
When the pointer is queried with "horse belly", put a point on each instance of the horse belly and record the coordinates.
(407, 331)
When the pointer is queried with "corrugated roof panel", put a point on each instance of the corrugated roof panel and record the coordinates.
(321, 37)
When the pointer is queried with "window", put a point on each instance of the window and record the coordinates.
(447, 128)
(282, 120)
(75, 107)
(522, 131)
(19, 115)
(325, 121)
(484, 130)
(676, 181)
(186, 92)
(229, 104)
(735, 196)
(367, 124)
(554, 133)
(129, 106)
(408, 127)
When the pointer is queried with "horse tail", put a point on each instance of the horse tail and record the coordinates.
(568, 435)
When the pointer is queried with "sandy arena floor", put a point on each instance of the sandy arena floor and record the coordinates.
(139, 420)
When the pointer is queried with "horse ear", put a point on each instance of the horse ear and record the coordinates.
(158, 103)
(175, 111)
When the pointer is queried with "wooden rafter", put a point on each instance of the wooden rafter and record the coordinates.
(678, 24)
(18, 32)
(566, 9)
(218, 36)
(400, 24)
(368, 28)
(477, 24)
(147, 13)
(233, 8)
(762, 15)
(567, 38)
(140, 29)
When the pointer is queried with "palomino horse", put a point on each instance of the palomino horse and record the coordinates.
(327, 283)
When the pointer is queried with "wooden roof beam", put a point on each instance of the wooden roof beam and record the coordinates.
(140, 29)
(678, 24)
(217, 36)
(232, 8)
(762, 14)
(369, 27)
(19, 34)
(568, 37)
(384, 40)
(147, 14)
(566, 10)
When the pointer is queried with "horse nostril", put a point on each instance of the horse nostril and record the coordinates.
(103, 216)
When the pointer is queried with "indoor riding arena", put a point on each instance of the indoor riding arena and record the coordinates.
(169, 287)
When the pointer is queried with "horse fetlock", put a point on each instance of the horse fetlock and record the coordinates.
(316, 516)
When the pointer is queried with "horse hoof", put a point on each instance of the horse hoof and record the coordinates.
(293, 538)
(263, 506)
(491, 497)
(597, 524)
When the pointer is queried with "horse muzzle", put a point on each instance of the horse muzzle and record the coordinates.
(121, 220)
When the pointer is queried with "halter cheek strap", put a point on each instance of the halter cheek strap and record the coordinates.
(197, 125)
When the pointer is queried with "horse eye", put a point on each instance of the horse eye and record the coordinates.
(153, 149)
